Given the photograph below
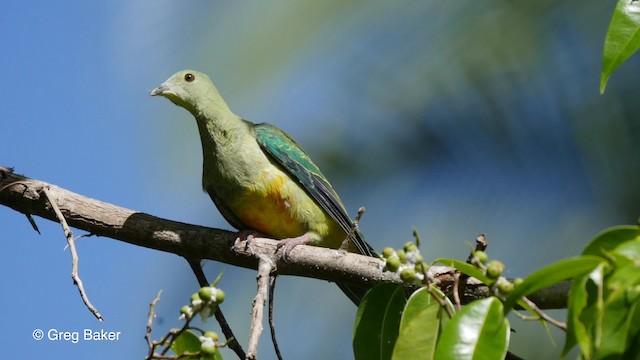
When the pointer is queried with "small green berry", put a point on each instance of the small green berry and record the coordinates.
(185, 310)
(205, 294)
(494, 269)
(517, 281)
(419, 267)
(219, 296)
(195, 297)
(402, 256)
(208, 349)
(505, 286)
(410, 246)
(393, 264)
(386, 252)
(408, 275)
(212, 335)
(481, 256)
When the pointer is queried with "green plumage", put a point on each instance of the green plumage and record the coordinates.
(259, 178)
(291, 157)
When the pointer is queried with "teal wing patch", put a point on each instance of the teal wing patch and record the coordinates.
(294, 160)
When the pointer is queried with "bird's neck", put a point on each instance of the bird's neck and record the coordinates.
(220, 131)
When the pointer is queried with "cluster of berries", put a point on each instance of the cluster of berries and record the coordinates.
(204, 303)
(406, 262)
(493, 269)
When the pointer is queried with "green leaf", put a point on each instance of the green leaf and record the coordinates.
(465, 268)
(615, 327)
(586, 309)
(478, 331)
(620, 304)
(623, 38)
(550, 275)
(633, 352)
(608, 240)
(419, 327)
(630, 250)
(576, 330)
(377, 322)
(187, 342)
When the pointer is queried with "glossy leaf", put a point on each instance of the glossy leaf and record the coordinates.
(550, 275)
(623, 38)
(377, 322)
(186, 342)
(464, 268)
(577, 331)
(478, 331)
(606, 241)
(615, 327)
(419, 327)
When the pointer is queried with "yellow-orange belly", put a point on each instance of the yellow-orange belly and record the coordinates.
(280, 208)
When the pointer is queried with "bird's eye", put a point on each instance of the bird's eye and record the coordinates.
(189, 77)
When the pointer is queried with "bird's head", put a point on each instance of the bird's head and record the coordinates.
(191, 90)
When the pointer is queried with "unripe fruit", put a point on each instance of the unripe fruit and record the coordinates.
(212, 335)
(505, 286)
(386, 252)
(402, 256)
(481, 256)
(219, 296)
(408, 275)
(208, 349)
(393, 264)
(409, 246)
(494, 269)
(205, 293)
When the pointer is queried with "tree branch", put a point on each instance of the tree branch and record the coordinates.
(198, 242)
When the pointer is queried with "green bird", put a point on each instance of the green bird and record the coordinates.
(258, 176)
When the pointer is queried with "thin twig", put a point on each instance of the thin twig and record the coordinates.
(543, 315)
(168, 340)
(352, 230)
(481, 245)
(456, 294)
(265, 265)
(33, 223)
(152, 315)
(74, 254)
(441, 302)
(232, 341)
(460, 285)
(272, 326)
(26, 187)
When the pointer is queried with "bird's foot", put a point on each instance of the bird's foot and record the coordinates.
(247, 235)
(288, 244)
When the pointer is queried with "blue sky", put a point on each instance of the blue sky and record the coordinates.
(454, 118)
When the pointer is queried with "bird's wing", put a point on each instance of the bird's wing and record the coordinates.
(224, 210)
(288, 154)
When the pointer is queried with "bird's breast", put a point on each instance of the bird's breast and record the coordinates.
(265, 198)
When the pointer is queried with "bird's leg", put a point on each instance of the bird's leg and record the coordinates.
(288, 244)
(248, 235)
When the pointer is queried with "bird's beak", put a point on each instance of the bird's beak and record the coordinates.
(160, 90)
